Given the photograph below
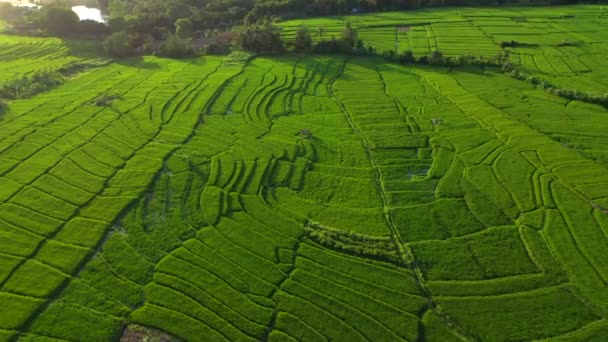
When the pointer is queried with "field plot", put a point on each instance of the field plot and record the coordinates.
(22, 56)
(305, 199)
(562, 44)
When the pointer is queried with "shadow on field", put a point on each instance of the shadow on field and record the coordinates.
(84, 48)
(374, 62)
(138, 62)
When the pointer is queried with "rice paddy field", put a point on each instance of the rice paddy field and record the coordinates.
(303, 198)
(565, 45)
(22, 56)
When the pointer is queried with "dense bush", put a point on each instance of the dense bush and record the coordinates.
(513, 43)
(117, 45)
(176, 47)
(28, 86)
(379, 248)
(262, 38)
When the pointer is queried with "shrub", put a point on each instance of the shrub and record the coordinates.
(175, 47)
(407, 57)
(117, 45)
(389, 55)
(261, 38)
(437, 58)
(423, 60)
(29, 86)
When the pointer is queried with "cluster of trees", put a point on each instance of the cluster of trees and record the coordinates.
(437, 58)
(264, 38)
(53, 20)
(569, 94)
(27, 86)
(121, 37)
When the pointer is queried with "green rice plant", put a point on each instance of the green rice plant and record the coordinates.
(66, 258)
(490, 287)
(176, 323)
(80, 293)
(18, 241)
(367, 326)
(99, 275)
(587, 333)
(572, 260)
(34, 279)
(449, 185)
(545, 309)
(217, 288)
(315, 317)
(475, 257)
(105, 326)
(61, 190)
(28, 219)
(213, 302)
(435, 329)
(396, 278)
(379, 292)
(591, 240)
(232, 249)
(16, 309)
(483, 207)
(443, 219)
(296, 327)
(82, 232)
(44, 204)
(344, 218)
(388, 317)
(125, 260)
(216, 327)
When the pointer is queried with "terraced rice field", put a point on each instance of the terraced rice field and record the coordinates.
(303, 199)
(565, 45)
(23, 56)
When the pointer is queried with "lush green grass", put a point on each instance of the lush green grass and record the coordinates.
(307, 198)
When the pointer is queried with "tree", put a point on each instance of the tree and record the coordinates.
(175, 47)
(349, 35)
(117, 45)
(58, 20)
(303, 40)
(436, 57)
(407, 57)
(261, 37)
(6, 10)
(183, 28)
